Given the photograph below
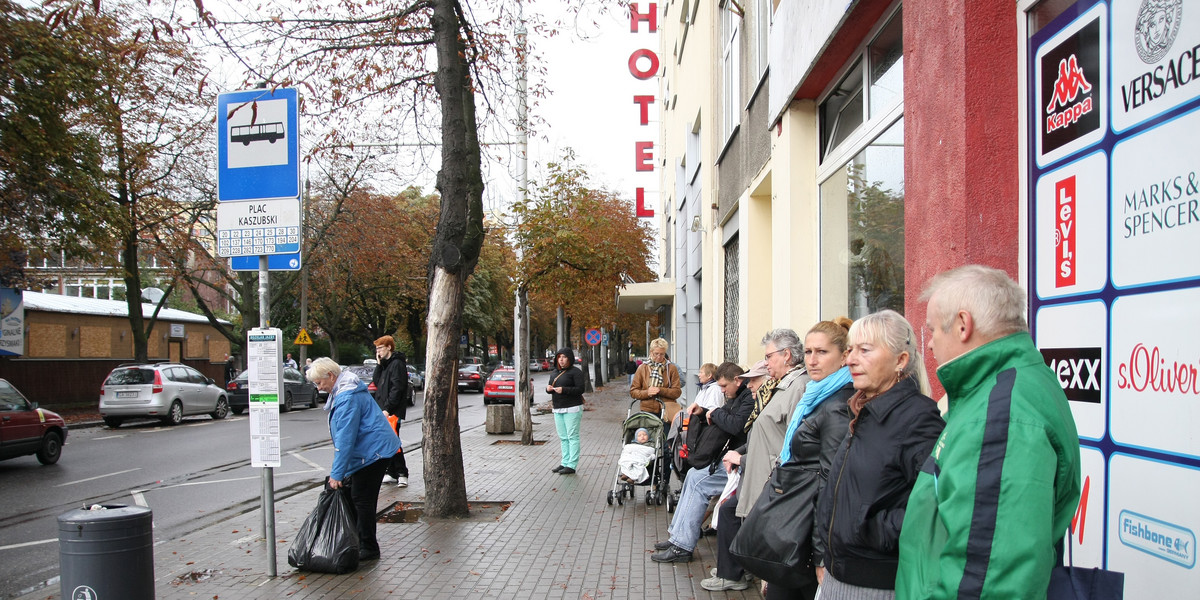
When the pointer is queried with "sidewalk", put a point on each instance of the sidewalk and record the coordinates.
(559, 538)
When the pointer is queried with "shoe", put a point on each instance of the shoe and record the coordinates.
(668, 544)
(566, 471)
(557, 469)
(402, 481)
(389, 479)
(707, 531)
(365, 555)
(720, 584)
(673, 554)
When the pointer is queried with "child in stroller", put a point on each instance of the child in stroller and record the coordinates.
(643, 459)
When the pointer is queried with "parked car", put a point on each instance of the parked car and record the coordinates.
(535, 366)
(297, 391)
(500, 387)
(26, 429)
(471, 377)
(167, 391)
(416, 379)
(546, 364)
(366, 372)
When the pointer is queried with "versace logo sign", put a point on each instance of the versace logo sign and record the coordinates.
(1156, 27)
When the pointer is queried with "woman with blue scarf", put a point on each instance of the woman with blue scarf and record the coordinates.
(815, 430)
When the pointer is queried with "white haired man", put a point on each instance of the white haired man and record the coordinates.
(1002, 483)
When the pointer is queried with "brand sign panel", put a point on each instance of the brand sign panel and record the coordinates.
(1112, 136)
(1155, 59)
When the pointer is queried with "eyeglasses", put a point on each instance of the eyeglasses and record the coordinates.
(767, 356)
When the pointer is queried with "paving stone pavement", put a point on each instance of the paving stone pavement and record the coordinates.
(558, 539)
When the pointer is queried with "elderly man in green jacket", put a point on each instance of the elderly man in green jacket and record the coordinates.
(1002, 484)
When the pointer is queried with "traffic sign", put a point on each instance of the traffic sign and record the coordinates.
(275, 262)
(302, 339)
(258, 145)
(258, 227)
(592, 336)
(605, 342)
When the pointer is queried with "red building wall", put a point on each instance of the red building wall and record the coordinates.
(961, 156)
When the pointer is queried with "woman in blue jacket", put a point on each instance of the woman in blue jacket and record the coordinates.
(363, 443)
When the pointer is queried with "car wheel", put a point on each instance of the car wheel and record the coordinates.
(237, 411)
(222, 410)
(51, 448)
(113, 422)
(287, 402)
(175, 415)
(312, 399)
(411, 400)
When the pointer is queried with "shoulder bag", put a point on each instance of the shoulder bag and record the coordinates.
(775, 540)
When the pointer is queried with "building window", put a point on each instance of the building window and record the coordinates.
(862, 230)
(732, 288)
(730, 25)
(762, 31)
(850, 105)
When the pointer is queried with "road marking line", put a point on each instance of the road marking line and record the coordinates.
(300, 458)
(24, 544)
(137, 494)
(98, 477)
(138, 498)
(108, 437)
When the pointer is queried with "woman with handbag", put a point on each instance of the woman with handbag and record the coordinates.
(893, 429)
(566, 397)
(776, 539)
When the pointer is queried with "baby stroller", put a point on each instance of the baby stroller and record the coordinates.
(659, 471)
(678, 450)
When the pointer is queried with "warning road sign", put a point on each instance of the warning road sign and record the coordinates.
(592, 337)
(302, 339)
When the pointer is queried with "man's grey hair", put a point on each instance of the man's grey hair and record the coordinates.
(996, 302)
(322, 367)
(786, 338)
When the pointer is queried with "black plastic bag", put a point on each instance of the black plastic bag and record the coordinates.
(328, 540)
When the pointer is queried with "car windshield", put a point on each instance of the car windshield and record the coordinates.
(503, 376)
(130, 377)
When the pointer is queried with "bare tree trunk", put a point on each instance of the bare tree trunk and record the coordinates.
(455, 252)
(523, 414)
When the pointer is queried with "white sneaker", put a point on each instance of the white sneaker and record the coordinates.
(719, 584)
(389, 479)
(402, 481)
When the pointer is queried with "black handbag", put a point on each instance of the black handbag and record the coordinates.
(1080, 583)
(775, 540)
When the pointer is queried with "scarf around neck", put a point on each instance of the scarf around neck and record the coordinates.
(761, 398)
(814, 394)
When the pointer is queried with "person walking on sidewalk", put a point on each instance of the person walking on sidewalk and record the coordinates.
(566, 395)
(363, 443)
(391, 394)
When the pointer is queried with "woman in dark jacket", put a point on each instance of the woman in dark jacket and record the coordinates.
(894, 426)
(566, 394)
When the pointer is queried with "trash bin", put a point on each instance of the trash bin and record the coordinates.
(106, 553)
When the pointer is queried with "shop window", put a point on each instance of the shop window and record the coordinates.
(862, 230)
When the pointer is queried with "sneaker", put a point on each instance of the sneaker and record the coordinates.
(668, 544)
(389, 479)
(673, 554)
(720, 584)
(402, 481)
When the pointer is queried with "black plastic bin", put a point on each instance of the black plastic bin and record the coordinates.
(107, 554)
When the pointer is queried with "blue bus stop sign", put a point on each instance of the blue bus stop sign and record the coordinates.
(258, 145)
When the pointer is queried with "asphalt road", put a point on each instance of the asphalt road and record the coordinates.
(191, 476)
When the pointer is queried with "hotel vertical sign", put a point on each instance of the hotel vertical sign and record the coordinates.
(1113, 114)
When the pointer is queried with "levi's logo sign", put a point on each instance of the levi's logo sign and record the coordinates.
(1077, 371)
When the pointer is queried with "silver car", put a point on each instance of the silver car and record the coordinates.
(166, 391)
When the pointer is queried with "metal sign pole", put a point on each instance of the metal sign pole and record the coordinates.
(268, 473)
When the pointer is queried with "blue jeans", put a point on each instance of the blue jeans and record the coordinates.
(699, 487)
(567, 425)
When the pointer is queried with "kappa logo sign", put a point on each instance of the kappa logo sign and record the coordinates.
(1077, 370)
(1070, 80)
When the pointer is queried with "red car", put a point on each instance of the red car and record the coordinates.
(501, 387)
(546, 364)
(26, 429)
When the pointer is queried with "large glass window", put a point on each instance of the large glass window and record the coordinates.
(862, 230)
(851, 105)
